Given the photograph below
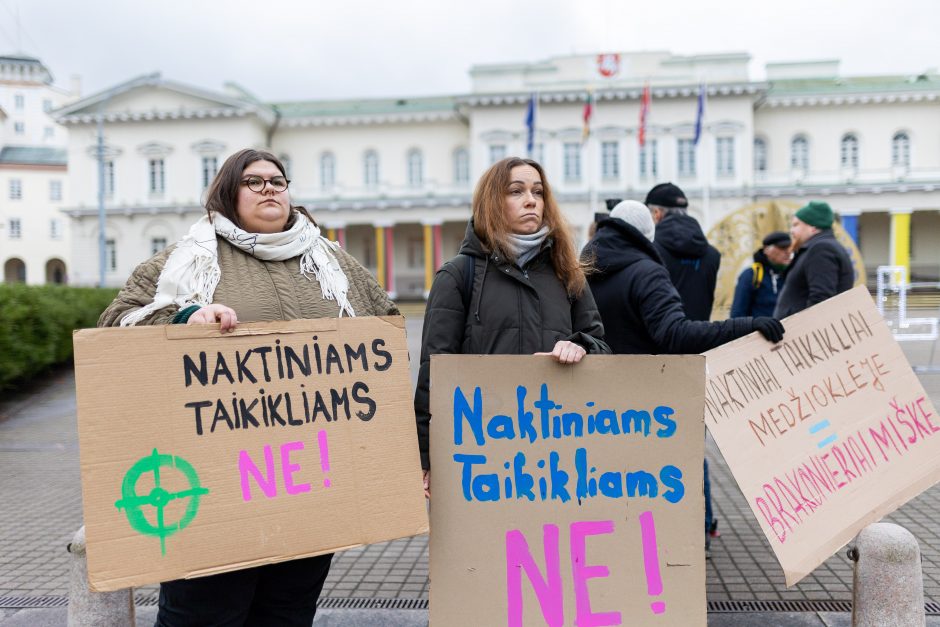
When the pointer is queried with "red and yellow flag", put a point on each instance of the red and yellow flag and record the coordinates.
(588, 114)
(644, 112)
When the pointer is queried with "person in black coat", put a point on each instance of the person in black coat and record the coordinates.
(516, 288)
(640, 307)
(691, 261)
(760, 283)
(821, 267)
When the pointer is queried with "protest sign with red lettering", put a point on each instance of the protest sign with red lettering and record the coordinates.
(825, 432)
(203, 453)
(567, 494)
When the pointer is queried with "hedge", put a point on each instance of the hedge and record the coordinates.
(36, 324)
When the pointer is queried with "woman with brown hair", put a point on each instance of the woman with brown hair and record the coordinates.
(253, 257)
(516, 288)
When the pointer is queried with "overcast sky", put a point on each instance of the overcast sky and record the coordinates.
(309, 49)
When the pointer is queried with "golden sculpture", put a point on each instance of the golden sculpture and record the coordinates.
(740, 233)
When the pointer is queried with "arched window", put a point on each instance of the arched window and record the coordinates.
(370, 169)
(14, 271)
(760, 154)
(327, 170)
(55, 271)
(799, 153)
(848, 151)
(415, 168)
(461, 166)
(901, 150)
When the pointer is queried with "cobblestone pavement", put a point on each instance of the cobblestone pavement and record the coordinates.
(41, 509)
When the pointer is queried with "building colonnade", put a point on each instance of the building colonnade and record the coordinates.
(406, 273)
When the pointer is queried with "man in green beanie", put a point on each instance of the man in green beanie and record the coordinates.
(821, 267)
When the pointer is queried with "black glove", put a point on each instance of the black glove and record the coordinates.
(771, 328)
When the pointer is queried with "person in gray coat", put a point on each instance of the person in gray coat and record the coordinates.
(516, 288)
(821, 267)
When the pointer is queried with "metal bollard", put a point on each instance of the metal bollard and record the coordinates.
(94, 609)
(888, 588)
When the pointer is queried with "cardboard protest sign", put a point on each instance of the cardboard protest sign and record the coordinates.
(825, 432)
(203, 453)
(567, 495)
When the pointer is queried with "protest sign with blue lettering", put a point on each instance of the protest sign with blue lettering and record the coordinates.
(567, 494)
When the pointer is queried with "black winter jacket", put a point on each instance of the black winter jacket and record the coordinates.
(512, 312)
(640, 307)
(820, 269)
(692, 263)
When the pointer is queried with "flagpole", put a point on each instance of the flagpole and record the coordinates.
(531, 121)
(592, 181)
(535, 129)
(589, 166)
(706, 163)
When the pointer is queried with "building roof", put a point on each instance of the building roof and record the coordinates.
(11, 65)
(370, 106)
(19, 58)
(33, 155)
(239, 102)
(928, 81)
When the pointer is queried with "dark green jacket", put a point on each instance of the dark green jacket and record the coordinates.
(512, 311)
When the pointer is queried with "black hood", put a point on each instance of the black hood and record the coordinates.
(761, 257)
(682, 236)
(617, 245)
(471, 244)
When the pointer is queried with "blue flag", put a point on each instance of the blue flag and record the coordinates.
(700, 114)
(530, 126)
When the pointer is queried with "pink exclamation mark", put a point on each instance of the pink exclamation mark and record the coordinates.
(325, 456)
(654, 581)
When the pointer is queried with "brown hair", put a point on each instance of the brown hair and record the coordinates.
(222, 195)
(493, 229)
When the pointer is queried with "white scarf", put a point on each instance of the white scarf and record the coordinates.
(192, 272)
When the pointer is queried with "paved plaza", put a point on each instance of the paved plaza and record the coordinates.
(42, 508)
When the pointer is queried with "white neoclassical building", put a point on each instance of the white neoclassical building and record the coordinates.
(392, 178)
(34, 234)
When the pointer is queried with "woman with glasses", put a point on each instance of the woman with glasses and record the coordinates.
(253, 257)
(516, 288)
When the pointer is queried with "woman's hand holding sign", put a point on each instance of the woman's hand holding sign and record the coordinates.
(210, 314)
(566, 352)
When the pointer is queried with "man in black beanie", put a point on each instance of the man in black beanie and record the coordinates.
(760, 283)
(821, 267)
(692, 262)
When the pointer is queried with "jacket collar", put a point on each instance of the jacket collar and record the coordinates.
(824, 234)
(473, 246)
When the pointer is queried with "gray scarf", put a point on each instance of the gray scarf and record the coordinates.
(525, 247)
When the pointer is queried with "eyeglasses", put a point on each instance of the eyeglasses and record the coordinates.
(256, 183)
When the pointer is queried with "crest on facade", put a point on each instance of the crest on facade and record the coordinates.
(608, 65)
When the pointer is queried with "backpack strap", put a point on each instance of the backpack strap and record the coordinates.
(469, 266)
(462, 268)
(758, 269)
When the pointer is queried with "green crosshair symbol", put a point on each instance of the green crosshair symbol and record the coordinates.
(159, 497)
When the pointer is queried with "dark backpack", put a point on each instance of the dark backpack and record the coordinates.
(466, 290)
